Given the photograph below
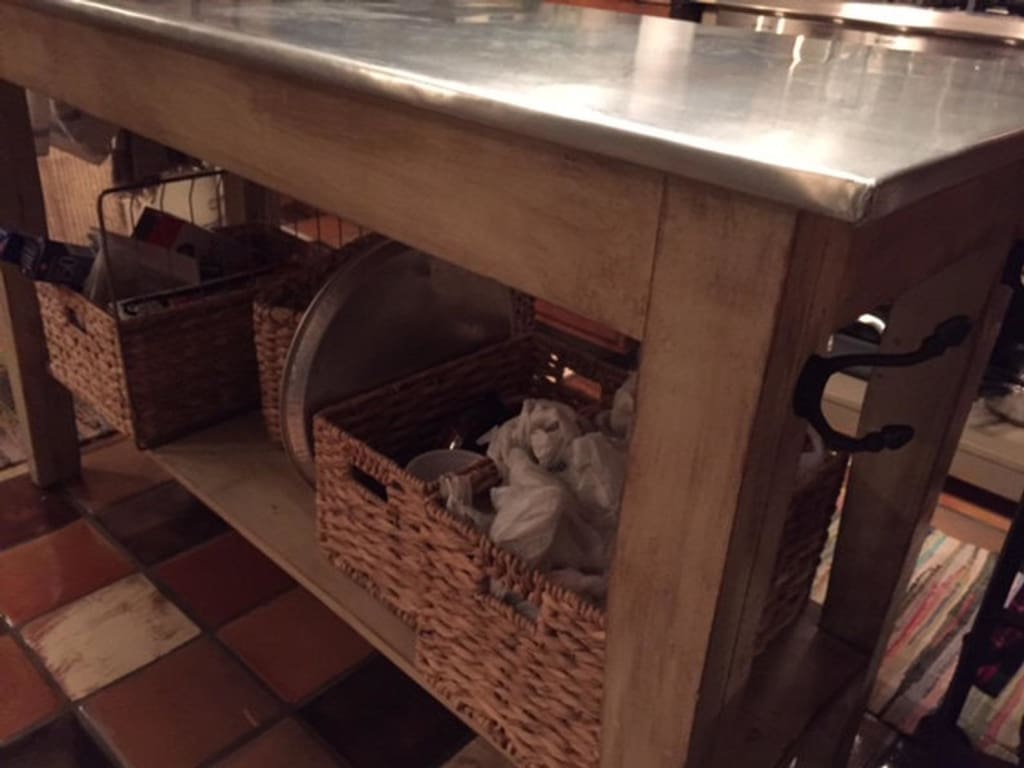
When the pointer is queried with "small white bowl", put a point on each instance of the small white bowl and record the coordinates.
(431, 465)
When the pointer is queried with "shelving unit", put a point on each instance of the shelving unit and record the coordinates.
(238, 473)
(247, 480)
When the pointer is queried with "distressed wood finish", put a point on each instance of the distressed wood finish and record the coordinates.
(896, 491)
(46, 414)
(890, 496)
(562, 225)
(804, 319)
(894, 254)
(803, 680)
(740, 295)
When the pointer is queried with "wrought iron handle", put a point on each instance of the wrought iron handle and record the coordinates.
(810, 387)
(1014, 274)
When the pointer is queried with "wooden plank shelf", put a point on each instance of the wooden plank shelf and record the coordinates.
(795, 688)
(238, 473)
(247, 480)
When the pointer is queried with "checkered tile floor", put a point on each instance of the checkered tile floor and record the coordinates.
(139, 631)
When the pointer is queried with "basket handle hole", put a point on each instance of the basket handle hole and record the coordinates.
(370, 483)
(73, 319)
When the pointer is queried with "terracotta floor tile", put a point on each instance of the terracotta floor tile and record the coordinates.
(52, 570)
(479, 754)
(295, 644)
(61, 744)
(25, 698)
(379, 718)
(222, 578)
(113, 473)
(161, 522)
(285, 745)
(26, 511)
(181, 710)
(104, 636)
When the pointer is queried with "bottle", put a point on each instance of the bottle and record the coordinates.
(47, 260)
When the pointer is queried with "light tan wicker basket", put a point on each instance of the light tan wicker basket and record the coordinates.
(159, 376)
(533, 682)
(277, 311)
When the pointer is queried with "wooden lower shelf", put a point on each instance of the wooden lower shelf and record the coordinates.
(237, 472)
(801, 696)
(247, 480)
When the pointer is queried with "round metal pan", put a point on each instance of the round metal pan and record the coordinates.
(390, 312)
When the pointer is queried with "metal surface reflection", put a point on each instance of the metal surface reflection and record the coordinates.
(849, 130)
(891, 18)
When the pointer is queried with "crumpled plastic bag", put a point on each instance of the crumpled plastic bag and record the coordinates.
(562, 480)
(596, 471)
(618, 422)
(457, 491)
(545, 428)
(538, 517)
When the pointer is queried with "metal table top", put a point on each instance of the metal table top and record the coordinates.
(995, 28)
(848, 130)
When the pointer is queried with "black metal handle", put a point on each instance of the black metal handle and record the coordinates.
(1014, 274)
(810, 387)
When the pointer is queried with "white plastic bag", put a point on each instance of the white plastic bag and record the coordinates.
(528, 508)
(544, 428)
(596, 471)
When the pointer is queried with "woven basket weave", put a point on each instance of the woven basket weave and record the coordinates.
(277, 311)
(158, 376)
(532, 680)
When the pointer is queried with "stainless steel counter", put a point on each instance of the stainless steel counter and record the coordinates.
(852, 131)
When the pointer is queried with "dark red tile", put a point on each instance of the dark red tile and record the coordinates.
(61, 744)
(181, 710)
(52, 570)
(286, 744)
(295, 644)
(25, 698)
(115, 472)
(379, 718)
(160, 523)
(27, 511)
(222, 578)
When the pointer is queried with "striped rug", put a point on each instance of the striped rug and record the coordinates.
(948, 584)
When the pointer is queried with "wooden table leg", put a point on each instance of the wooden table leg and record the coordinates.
(890, 496)
(45, 410)
(742, 292)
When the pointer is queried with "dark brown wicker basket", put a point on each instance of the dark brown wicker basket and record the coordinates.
(533, 683)
(159, 376)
